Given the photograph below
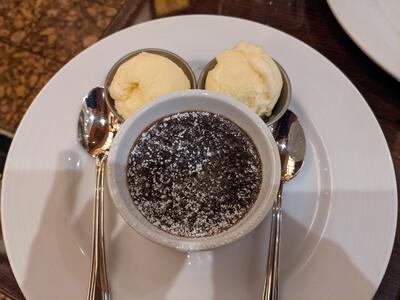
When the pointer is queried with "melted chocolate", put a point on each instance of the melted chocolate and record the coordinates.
(194, 174)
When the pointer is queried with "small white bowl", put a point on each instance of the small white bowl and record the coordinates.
(190, 100)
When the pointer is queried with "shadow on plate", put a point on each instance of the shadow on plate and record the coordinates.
(60, 253)
(240, 277)
(59, 258)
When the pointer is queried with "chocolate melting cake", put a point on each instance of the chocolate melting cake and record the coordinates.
(194, 174)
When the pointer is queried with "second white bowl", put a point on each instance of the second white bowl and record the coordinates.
(191, 100)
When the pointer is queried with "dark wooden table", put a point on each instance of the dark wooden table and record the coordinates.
(312, 22)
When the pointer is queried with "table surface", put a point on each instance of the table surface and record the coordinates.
(312, 22)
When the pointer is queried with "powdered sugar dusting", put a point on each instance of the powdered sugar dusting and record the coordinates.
(194, 174)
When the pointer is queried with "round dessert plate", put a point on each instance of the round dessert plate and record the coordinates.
(374, 25)
(339, 212)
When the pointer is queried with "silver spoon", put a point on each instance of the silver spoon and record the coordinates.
(289, 136)
(96, 130)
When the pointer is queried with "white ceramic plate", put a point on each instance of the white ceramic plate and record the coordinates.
(340, 212)
(374, 25)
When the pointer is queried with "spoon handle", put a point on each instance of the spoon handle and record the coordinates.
(270, 291)
(98, 285)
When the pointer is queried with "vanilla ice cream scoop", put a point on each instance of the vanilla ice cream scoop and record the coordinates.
(249, 74)
(143, 78)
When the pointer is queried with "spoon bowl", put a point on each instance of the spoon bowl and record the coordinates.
(290, 139)
(96, 124)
